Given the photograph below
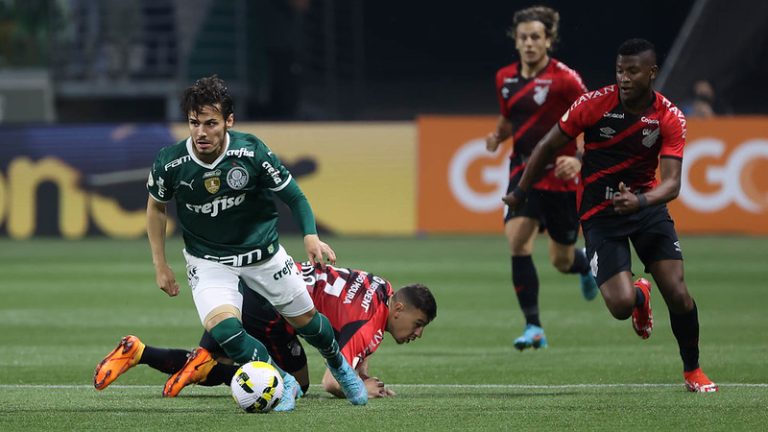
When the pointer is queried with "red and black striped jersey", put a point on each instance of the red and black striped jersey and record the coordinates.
(355, 303)
(533, 106)
(620, 146)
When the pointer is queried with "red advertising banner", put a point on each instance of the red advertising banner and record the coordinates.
(724, 184)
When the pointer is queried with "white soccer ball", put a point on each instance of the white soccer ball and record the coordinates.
(257, 387)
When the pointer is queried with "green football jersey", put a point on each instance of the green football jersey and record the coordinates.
(226, 208)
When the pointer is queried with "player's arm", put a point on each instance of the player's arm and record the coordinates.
(375, 386)
(504, 130)
(542, 154)
(157, 219)
(667, 189)
(568, 167)
(294, 198)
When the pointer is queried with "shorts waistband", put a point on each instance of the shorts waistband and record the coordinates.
(251, 257)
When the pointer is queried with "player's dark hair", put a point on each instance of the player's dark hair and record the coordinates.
(420, 297)
(208, 91)
(545, 15)
(635, 47)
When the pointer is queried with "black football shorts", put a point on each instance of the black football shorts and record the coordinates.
(651, 231)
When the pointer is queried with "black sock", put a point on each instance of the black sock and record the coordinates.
(526, 283)
(580, 262)
(165, 360)
(219, 374)
(685, 327)
(639, 297)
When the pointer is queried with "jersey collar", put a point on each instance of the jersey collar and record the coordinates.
(191, 152)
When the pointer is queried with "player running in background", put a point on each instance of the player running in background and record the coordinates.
(223, 183)
(359, 305)
(630, 129)
(533, 93)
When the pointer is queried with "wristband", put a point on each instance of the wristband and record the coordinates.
(642, 200)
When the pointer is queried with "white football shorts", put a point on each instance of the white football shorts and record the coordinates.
(277, 279)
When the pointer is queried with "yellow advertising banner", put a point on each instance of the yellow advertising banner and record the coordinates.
(360, 178)
(724, 182)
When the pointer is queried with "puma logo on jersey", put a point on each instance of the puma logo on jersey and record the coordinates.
(183, 183)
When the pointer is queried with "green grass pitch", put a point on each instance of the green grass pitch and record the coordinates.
(64, 305)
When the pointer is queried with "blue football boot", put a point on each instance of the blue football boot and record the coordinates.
(351, 384)
(533, 337)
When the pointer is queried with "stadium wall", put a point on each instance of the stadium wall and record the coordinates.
(429, 176)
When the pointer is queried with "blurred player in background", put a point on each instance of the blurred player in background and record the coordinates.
(223, 183)
(533, 93)
(629, 130)
(359, 305)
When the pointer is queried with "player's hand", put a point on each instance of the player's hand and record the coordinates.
(515, 198)
(165, 280)
(511, 201)
(567, 167)
(625, 202)
(317, 251)
(492, 141)
(376, 388)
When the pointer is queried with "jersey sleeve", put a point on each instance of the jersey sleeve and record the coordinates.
(572, 123)
(574, 86)
(503, 109)
(159, 183)
(363, 343)
(673, 135)
(271, 171)
(301, 211)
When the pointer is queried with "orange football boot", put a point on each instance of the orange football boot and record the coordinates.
(195, 370)
(642, 318)
(697, 381)
(125, 356)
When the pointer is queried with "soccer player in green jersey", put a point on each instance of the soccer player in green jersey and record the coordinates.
(223, 183)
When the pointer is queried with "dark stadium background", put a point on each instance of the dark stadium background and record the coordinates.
(451, 53)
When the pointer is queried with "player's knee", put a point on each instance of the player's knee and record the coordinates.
(619, 305)
(219, 314)
(520, 246)
(563, 264)
(620, 312)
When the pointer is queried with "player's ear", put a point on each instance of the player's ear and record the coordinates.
(398, 307)
(230, 120)
(654, 72)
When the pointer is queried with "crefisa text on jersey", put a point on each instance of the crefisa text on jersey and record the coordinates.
(220, 203)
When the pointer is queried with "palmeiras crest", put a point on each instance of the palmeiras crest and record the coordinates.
(237, 178)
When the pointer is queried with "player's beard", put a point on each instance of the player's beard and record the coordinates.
(209, 149)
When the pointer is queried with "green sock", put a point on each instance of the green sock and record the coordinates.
(239, 345)
(319, 333)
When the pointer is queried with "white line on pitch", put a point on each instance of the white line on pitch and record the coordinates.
(478, 386)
